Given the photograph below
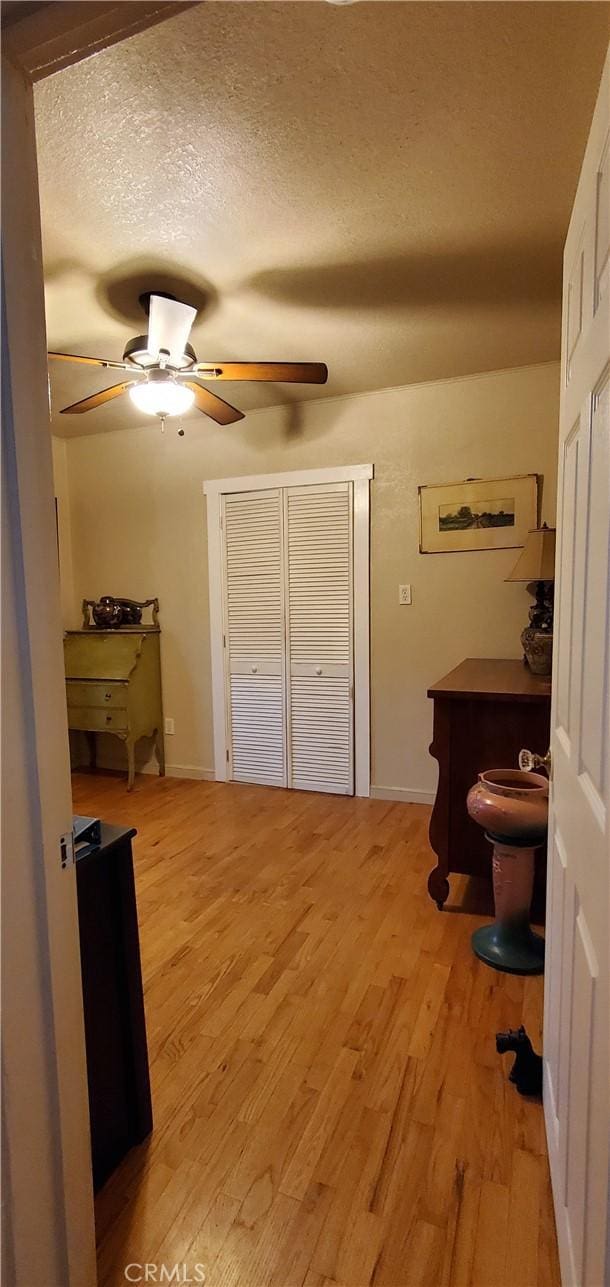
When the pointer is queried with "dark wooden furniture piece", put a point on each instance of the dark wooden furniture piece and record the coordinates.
(485, 712)
(120, 1107)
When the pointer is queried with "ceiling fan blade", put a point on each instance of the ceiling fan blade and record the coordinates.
(90, 361)
(169, 326)
(219, 410)
(283, 372)
(97, 399)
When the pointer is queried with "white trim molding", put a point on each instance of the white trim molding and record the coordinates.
(191, 771)
(403, 794)
(214, 490)
(289, 478)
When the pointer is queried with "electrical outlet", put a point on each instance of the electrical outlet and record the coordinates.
(169, 726)
(404, 595)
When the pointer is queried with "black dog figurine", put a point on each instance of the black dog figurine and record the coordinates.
(526, 1071)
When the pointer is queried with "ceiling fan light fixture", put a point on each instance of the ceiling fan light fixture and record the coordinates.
(164, 397)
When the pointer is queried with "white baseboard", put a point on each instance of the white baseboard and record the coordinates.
(404, 794)
(200, 775)
(151, 770)
(181, 771)
(193, 771)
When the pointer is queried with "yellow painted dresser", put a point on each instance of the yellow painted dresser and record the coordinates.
(113, 685)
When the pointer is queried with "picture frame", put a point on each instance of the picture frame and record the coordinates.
(477, 514)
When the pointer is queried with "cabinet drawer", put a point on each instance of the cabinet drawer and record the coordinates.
(94, 720)
(95, 692)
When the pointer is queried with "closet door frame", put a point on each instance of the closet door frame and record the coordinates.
(214, 490)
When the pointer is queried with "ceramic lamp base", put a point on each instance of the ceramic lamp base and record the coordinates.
(513, 948)
(538, 650)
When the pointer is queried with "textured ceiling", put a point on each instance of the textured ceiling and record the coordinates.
(381, 186)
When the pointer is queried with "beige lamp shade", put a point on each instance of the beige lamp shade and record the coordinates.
(536, 561)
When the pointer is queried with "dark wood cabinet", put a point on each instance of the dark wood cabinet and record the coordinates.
(485, 712)
(120, 1110)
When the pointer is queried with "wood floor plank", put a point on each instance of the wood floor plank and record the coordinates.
(523, 1220)
(330, 1110)
(331, 1099)
(491, 1262)
(460, 1236)
(352, 1191)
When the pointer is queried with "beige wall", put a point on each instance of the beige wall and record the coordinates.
(64, 530)
(138, 529)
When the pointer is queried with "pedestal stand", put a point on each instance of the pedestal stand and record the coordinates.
(510, 944)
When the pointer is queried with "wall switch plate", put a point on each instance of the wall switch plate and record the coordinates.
(169, 726)
(404, 594)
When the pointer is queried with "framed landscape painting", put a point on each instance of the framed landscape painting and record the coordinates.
(477, 514)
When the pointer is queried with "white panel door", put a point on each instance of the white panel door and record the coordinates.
(577, 1003)
(319, 600)
(254, 636)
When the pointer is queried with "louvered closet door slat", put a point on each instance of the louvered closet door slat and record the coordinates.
(319, 593)
(254, 620)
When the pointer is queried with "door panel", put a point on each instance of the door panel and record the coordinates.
(594, 726)
(257, 729)
(577, 1003)
(318, 523)
(288, 636)
(565, 621)
(321, 734)
(254, 636)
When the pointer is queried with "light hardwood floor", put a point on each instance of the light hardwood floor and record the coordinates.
(329, 1105)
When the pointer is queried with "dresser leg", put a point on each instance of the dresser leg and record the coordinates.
(438, 887)
(131, 763)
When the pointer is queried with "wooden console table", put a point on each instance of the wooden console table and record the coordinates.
(485, 712)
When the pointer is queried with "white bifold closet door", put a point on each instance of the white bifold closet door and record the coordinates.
(288, 636)
(254, 636)
(318, 526)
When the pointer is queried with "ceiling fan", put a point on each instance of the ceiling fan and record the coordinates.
(168, 374)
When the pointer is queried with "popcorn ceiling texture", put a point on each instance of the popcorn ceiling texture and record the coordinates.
(383, 186)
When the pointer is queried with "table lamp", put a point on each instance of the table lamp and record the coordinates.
(536, 564)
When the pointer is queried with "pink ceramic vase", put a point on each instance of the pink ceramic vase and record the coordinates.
(511, 805)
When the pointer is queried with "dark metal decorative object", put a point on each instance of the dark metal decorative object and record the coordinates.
(526, 1072)
(107, 613)
(111, 613)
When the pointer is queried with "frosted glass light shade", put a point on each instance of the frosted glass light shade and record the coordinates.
(162, 398)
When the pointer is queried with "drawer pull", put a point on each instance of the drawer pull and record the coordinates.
(107, 697)
(109, 719)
